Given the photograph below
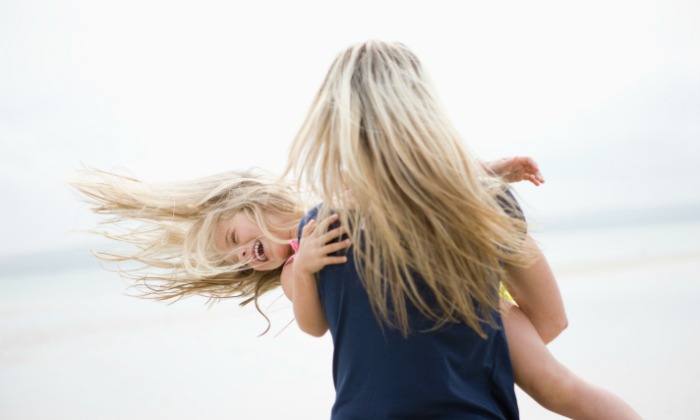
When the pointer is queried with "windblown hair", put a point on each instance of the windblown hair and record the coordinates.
(434, 227)
(171, 227)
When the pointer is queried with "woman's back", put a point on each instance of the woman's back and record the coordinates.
(430, 244)
(378, 373)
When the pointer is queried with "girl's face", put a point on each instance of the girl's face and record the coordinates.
(240, 239)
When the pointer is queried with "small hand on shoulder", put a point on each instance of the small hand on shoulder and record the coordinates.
(317, 245)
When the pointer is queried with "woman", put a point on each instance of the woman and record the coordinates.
(414, 312)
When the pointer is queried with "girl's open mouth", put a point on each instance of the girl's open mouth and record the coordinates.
(259, 251)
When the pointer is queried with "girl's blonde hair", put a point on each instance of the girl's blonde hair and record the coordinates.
(172, 227)
(377, 147)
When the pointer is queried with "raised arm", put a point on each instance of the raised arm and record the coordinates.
(515, 169)
(299, 276)
(535, 291)
(534, 288)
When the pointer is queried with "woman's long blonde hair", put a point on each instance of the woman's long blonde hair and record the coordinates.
(171, 227)
(377, 147)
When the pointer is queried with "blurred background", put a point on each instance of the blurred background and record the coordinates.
(604, 95)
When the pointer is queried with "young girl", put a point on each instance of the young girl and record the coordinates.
(234, 235)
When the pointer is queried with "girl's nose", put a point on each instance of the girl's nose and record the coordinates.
(243, 254)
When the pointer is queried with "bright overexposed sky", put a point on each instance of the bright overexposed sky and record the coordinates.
(605, 95)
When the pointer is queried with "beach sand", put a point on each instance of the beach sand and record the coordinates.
(73, 345)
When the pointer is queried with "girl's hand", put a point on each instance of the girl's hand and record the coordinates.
(316, 245)
(516, 169)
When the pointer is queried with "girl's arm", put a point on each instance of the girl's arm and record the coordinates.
(299, 275)
(535, 290)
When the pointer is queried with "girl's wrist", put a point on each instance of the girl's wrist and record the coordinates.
(300, 273)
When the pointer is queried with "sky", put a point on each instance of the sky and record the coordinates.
(604, 95)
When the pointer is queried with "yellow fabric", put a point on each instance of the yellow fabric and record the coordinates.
(503, 293)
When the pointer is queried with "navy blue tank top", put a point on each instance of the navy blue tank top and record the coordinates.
(450, 373)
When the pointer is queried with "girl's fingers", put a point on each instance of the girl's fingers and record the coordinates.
(323, 226)
(333, 233)
(336, 246)
(335, 260)
(308, 228)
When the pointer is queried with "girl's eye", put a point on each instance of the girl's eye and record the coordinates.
(234, 237)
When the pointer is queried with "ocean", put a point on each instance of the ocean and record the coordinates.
(74, 344)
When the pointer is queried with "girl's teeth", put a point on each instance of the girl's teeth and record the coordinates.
(259, 251)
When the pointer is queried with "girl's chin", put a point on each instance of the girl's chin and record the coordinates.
(266, 266)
